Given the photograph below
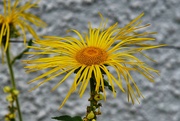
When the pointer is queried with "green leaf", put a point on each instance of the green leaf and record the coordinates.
(67, 118)
(63, 118)
(77, 118)
(106, 83)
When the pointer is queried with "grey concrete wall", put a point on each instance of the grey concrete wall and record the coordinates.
(162, 98)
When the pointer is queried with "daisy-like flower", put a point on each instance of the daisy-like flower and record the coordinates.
(15, 18)
(97, 53)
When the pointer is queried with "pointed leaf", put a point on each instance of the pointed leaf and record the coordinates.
(68, 118)
(107, 85)
(63, 118)
(77, 118)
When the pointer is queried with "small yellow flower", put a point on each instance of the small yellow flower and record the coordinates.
(6, 89)
(94, 53)
(15, 18)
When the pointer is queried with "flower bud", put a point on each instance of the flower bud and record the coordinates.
(94, 107)
(90, 115)
(11, 116)
(6, 89)
(6, 119)
(15, 92)
(85, 119)
(94, 120)
(98, 97)
(9, 98)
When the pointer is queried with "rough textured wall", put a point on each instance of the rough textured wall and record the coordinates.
(162, 98)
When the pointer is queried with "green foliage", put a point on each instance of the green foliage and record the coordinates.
(67, 118)
(107, 85)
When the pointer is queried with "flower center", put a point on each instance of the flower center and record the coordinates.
(91, 55)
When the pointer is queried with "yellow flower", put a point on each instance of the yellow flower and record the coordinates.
(15, 18)
(105, 53)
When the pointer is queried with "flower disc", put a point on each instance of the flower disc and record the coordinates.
(91, 56)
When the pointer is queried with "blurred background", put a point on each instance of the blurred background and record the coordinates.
(162, 98)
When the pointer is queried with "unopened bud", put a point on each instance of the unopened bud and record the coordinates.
(85, 119)
(11, 116)
(9, 98)
(15, 92)
(94, 120)
(90, 115)
(94, 107)
(6, 119)
(98, 97)
(6, 89)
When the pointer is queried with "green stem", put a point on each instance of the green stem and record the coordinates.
(13, 81)
(92, 90)
(92, 101)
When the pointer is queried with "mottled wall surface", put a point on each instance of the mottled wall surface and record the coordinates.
(162, 98)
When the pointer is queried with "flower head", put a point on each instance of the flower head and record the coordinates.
(15, 18)
(95, 53)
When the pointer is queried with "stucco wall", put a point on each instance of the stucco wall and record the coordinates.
(162, 98)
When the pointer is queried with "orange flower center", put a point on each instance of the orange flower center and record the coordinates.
(91, 56)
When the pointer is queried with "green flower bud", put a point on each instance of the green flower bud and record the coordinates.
(6, 89)
(85, 119)
(90, 115)
(15, 92)
(6, 119)
(98, 97)
(11, 116)
(94, 120)
(9, 98)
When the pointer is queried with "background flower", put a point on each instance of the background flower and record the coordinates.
(14, 18)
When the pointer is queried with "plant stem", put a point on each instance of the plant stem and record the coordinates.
(13, 81)
(93, 103)
(92, 90)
